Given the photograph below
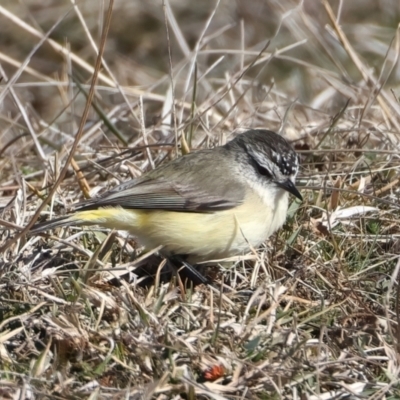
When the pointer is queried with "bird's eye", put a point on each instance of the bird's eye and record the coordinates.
(263, 171)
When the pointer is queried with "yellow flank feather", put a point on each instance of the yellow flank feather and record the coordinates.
(202, 235)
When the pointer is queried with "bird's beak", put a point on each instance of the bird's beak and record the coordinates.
(289, 186)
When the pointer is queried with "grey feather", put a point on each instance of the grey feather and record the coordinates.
(170, 187)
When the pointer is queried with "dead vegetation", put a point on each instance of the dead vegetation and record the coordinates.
(314, 313)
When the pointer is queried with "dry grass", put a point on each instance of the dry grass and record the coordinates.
(314, 313)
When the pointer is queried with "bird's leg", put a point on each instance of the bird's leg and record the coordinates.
(187, 270)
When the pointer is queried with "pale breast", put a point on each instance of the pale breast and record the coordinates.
(204, 236)
(215, 235)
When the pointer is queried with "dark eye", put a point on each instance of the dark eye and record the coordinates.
(263, 171)
(253, 160)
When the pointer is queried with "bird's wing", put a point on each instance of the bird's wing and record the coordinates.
(162, 196)
(185, 192)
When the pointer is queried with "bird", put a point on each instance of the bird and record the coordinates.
(205, 205)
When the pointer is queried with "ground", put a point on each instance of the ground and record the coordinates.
(312, 314)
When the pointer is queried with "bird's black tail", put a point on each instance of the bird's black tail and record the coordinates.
(54, 223)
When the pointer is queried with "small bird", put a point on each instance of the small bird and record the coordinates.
(209, 204)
